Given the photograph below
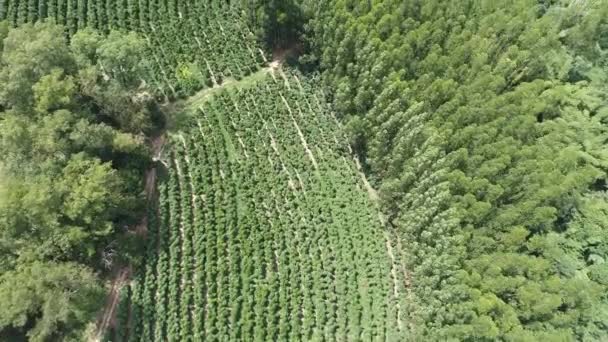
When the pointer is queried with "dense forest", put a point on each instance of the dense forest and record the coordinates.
(484, 125)
(72, 159)
(481, 126)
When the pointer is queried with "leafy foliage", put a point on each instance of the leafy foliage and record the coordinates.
(255, 238)
(62, 295)
(484, 125)
(64, 190)
(208, 34)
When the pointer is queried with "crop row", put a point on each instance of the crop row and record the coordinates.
(192, 44)
(264, 229)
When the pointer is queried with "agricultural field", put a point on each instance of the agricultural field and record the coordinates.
(260, 223)
(303, 170)
(264, 229)
(193, 44)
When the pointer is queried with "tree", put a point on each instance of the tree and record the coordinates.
(483, 124)
(92, 193)
(120, 57)
(84, 45)
(53, 300)
(72, 158)
(64, 216)
(54, 91)
(24, 64)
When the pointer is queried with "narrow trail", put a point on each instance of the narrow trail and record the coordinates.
(182, 233)
(373, 193)
(158, 143)
(394, 277)
(300, 134)
(189, 168)
(200, 97)
(121, 279)
(108, 317)
(397, 266)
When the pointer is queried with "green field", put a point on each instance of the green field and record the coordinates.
(264, 228)
(303, 170)
(192, 44)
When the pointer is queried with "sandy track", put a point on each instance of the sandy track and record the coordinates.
(109, 312)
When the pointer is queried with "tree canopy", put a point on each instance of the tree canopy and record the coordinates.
(484, 125)
(72, 156)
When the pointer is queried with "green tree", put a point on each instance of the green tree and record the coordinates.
(120, 57)
(54, 91)
(484, 127)
(50, 301)
(25, 64)
(72, 156)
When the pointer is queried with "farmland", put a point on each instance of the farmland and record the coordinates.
(260, 224)
(264, 229)
(192, 44)
(303, 170)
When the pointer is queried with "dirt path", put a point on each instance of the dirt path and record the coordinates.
(373, 193)
(189, 167)
(150, 190)
(398, 269)
(200, 97)
(108, 317)
(394, 277)
(157, 144)
(182, 233)
(273, 144)
(121, 279)
(281, 54)
(408, 276)
(301, 135)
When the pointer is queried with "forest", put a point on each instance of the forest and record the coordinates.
(286, 170)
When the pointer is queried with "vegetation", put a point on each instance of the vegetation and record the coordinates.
(191, 45)
(71, 171)
(481, 124)
(263, 229)
(484, 126)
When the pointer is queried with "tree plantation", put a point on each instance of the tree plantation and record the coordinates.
(299, 170)
(484, 126)
(263, 229)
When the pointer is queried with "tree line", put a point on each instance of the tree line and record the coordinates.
(483, 124)
(73, 120)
